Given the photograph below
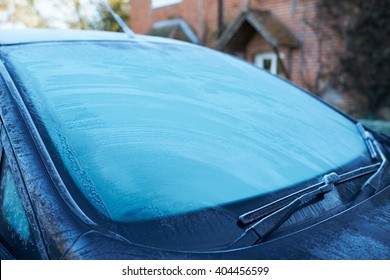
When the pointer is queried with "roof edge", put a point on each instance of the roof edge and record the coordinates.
(250, 16)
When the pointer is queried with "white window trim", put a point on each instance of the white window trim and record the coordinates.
(259, 60)
(154, 4)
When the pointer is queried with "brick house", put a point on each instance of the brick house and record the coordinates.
(273, 34)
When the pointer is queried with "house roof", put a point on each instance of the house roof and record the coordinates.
(238, 34)
(174, 28)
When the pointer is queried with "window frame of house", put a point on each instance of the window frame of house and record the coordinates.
(155, 4)
(275, 68)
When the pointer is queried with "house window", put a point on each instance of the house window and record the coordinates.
(269, 61)
(161, 3)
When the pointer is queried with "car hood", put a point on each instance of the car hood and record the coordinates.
(361, 232)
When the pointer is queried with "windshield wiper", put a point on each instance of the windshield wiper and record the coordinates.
(257, 232)
(268, 209)
(275, 214)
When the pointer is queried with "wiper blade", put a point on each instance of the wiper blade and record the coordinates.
(266, 210)
(257, 232)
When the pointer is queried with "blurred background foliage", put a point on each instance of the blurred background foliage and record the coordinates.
(73, 14)
(362, 28)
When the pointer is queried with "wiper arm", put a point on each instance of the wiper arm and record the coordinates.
(268, 209)
(257, 232)
(368, 139)
(374, 182)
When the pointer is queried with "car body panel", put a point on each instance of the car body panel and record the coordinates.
(358, 233)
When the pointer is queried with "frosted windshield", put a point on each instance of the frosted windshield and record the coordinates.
(148, 130)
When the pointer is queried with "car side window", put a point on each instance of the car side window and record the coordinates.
(15, 229)
(11, 204)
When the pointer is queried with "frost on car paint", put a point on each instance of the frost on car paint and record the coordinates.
(147, 131)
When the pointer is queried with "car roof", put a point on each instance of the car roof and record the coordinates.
(26, 36)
